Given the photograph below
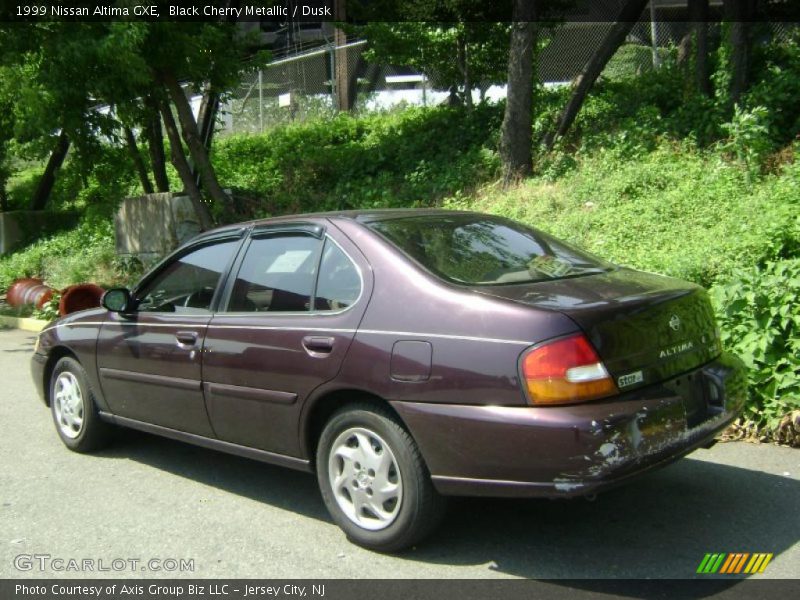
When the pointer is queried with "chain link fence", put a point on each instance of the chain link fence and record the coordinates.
(304, 87)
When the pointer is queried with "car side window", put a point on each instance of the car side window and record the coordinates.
(339, 283)
(188, 283)
(277, 275)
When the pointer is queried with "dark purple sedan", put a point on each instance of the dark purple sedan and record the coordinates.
(403, 356)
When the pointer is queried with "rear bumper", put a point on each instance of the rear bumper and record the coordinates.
(574, 450)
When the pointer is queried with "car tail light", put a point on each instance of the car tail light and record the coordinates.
(565, 371)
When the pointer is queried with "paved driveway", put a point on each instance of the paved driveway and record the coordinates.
(150, 498)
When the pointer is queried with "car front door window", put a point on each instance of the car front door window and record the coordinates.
(187, 285)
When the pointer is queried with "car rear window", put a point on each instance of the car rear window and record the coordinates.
(484, 250)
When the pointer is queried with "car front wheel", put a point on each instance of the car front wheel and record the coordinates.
(374, 481)
(73, 407)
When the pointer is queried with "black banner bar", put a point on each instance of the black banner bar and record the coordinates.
(332, 589)
(360, 11)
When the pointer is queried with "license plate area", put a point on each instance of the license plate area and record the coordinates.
(694, 391)
(709, 391)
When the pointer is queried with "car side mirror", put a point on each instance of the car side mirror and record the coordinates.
(116, 300)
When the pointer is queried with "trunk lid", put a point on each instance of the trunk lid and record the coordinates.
(646, 328)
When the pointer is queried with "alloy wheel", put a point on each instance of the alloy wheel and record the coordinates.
(68, 404)
(365, 478)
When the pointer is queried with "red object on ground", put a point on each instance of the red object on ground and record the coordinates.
(79, 297)
(29, 290)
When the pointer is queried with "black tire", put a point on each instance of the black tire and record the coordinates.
(92, 433)
(419, 508)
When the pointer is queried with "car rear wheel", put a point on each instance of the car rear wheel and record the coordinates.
(74, 410)
(374, 481)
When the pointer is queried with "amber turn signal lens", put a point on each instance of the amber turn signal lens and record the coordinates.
(565, 371)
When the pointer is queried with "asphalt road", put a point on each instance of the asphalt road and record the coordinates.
(150, 498)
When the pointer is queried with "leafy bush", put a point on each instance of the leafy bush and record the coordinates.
(86, 252)
(777, 87)
(748, 137)
(411, 158)
(758, 316)
(632, 60)
(83, 254)
(634, 108)
(48, 311)
(632, 114)
(98, 187)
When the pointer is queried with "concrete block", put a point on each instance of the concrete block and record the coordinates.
(153, 225)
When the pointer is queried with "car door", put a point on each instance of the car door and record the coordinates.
(149, 360)
(291, 313)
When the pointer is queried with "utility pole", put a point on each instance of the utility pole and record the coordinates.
(260, 101)
(654, 34)
(343, 100)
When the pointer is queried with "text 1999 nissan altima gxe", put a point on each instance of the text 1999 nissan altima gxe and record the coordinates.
(402, 355)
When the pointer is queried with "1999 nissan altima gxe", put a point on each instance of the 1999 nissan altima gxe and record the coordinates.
(403, 356)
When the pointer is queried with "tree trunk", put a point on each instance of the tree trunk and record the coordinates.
(138, 163)
(462, 57)
(182, 167)
(698, 13)
(516, 133)
(207, 116)
(3, 197)
(206, 120)
(155, 145)
(627, 18)
(42, 193)
(685, 50)
(739, 13)
(192, 138)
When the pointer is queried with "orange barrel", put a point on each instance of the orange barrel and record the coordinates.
(79, 297)
(29, 291)
(14, 295)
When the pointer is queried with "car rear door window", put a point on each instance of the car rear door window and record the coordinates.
(277, 275)
(339, 284)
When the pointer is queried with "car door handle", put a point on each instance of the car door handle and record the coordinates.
(316, 344)
(186, 338)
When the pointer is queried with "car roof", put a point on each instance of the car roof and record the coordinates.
(362, 216)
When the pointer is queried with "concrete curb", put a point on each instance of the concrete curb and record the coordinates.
(26, 324)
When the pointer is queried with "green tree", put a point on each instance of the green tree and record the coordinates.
(48, 70)
(452, 55)
(6, 133)
(62, 74)
(628, 16)
(515, 133)
(458, 44)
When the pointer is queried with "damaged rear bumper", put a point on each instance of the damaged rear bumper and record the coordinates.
(574, 450)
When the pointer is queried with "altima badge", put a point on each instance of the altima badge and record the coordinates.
(673, 350)
(675, 322)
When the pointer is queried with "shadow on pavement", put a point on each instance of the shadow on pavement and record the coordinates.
(22, 345)
(659, 526)
(277, 486)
